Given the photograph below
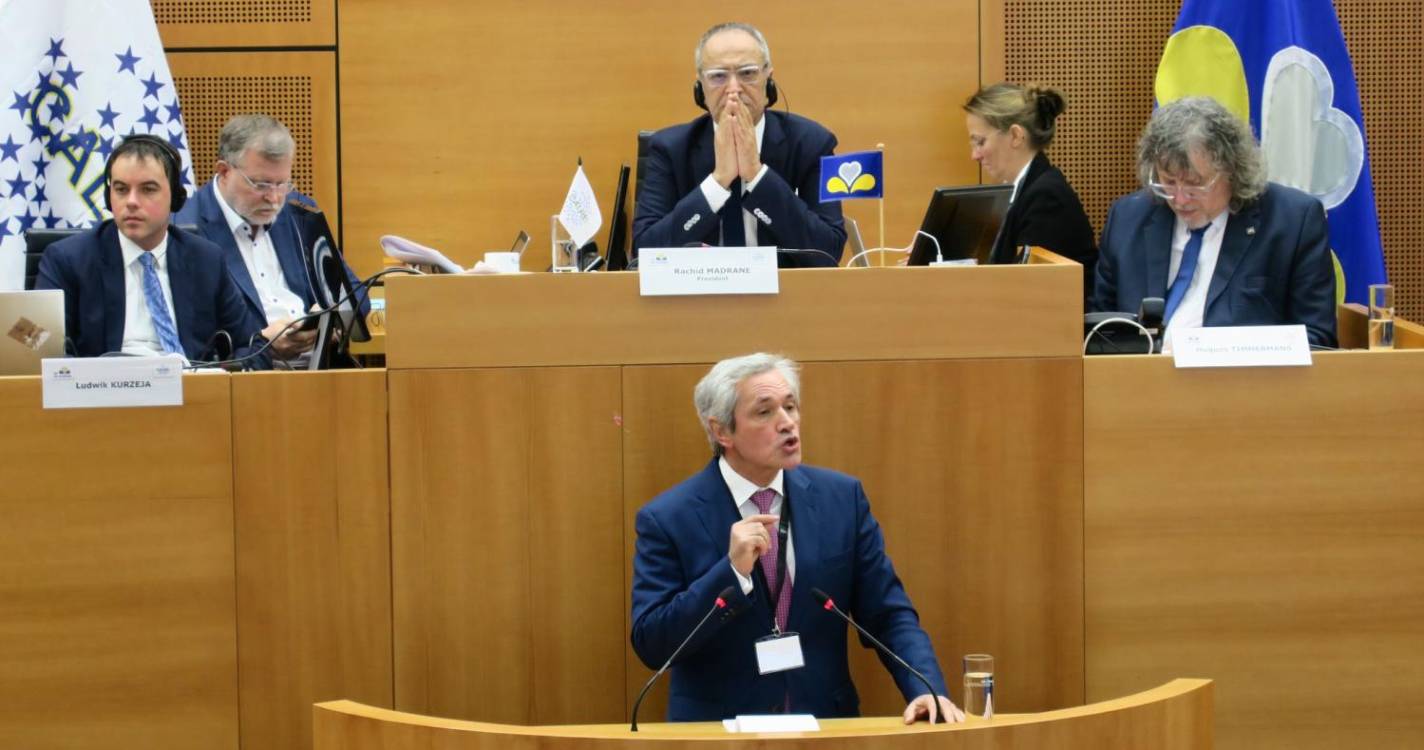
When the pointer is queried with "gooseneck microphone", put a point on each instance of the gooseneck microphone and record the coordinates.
(824, 599)
(721, 603)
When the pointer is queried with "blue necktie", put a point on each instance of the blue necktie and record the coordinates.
(153, 295)
(1185, 271)
(734, 230)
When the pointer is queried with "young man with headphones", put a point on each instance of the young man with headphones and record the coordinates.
(135, 285)
(742, 174)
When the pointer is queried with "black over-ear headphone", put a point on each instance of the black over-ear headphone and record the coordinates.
(172, 167)
(700, 99)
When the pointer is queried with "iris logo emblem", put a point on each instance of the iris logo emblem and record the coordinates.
(850, 179)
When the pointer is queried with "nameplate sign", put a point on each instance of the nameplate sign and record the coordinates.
(102, 382)
(772, 723)
(680, 271)
(1241, 346)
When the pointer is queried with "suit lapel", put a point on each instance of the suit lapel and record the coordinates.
(773, 144)
(703, 157)
(716, 511)
(214, 225)
(1240, 231)
(179, 282)
(286, 241)
(111, 271)
(805, 542)
(1157, 246)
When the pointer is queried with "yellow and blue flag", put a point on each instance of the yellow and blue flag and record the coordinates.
(1282, 65)
(857, 175)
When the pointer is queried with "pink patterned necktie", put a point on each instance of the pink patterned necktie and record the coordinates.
(763, 499)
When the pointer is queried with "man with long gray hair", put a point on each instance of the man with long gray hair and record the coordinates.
(1210, 236)
(252, 211)
(729, 528)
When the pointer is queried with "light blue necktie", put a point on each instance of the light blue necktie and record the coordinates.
(153, 295)
(1185, 271)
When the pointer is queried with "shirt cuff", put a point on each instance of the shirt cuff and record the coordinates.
(750, 186)
(715, 194)
(745, 581)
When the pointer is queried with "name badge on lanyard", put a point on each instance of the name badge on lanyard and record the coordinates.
(779, 651)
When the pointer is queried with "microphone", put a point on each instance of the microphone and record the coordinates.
(721, 603)
(824, 599)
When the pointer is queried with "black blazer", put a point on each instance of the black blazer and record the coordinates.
(1048, 214)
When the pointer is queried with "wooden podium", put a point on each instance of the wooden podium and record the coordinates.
(1175, 716)
(531, 416)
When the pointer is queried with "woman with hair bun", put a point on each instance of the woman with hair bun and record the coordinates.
(1009, 127)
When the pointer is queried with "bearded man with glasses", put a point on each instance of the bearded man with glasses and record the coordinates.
(1210, 236)
(252, 211)
(742, 174)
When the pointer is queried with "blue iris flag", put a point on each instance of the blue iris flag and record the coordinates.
(857, 175)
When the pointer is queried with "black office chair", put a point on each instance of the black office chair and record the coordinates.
(36, 240)
(645, 137)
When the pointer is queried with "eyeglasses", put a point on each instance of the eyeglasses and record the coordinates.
(1180, 192)
(747, 75)
(266, 187)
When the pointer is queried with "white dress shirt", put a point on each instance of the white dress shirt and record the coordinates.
(717, 196)
(140, 334)
(1190, 312)
(260, 257)
(742, 491)
(1019, 181)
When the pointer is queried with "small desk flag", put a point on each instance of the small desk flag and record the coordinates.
(580, 214)
(857, 175)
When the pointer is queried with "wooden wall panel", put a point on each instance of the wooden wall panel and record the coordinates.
(312, 510)
(1263, 528)
(116, 573)
(298, 88)
(249, 23)
(1104, 55)
(506, 543)
(461, 122)
(979, 498)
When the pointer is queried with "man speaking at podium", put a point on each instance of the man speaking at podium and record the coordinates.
(742, 174)
(730, 528)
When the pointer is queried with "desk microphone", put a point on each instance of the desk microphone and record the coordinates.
(721, 603)
(824, 599)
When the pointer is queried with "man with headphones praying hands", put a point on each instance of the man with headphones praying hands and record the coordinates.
(136, 285)
(742, 174)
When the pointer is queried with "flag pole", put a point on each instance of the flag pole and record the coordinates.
(881, 148)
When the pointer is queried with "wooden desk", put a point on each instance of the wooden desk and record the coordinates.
(531, 416)
(1263, 527)
(1174, 716)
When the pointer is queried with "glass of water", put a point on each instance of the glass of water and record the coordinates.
(1381, 316)
(979, 686)
(565, 252)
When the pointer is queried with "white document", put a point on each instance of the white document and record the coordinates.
(678, 271)
(770, 723)
(1240, 346)
(100, 382)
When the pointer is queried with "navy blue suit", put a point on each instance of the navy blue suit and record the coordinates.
(1274, 267)
(672, 212)
(290, 237)
(89, 268)
(681, 565)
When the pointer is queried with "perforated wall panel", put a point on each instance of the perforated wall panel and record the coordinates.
(208, 102)
(1103, 54)
(231, 11)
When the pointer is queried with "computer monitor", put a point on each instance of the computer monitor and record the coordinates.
(966, 222)
(617, 255)
(332, 288)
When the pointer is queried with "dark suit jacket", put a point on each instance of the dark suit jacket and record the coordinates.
(681, 565)
(1274, 267)
(290, 237)
(672, 211)
(1048, 214)
(89, 268)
